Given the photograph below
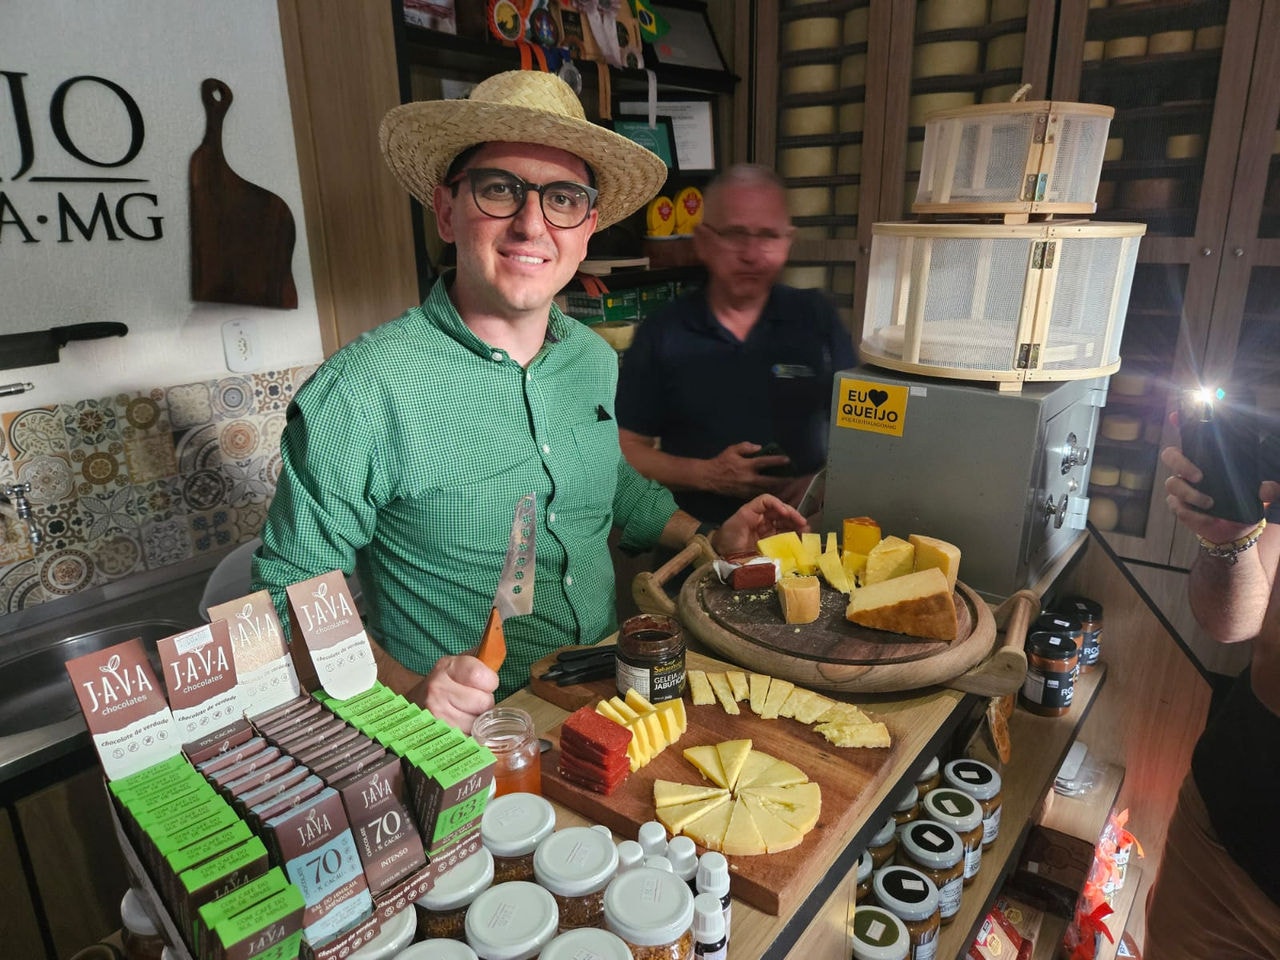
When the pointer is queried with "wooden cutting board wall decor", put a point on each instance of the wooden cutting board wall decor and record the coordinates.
(242, 235)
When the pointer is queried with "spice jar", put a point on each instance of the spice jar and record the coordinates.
(908, 807)
(396, 934)
(936, 851)
(1089, 613)
(510, 734)
(437, 950)
(511, 921)
(511, 829)
(589, 942)
(929, 777)
(575, 865)
(140, 936)
(884, 844)
(442, 910)
(959, 811)
(652, 910)
(983, 784)
(651, 657)
(862, 878)
(1049, 685)
(879, 935)
(911, 897)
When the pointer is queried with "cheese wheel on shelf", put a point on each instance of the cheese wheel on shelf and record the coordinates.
(809, 201)
(807, 162)
(849, 158)
(1093, 50)
(1114, 149)
(805, 277)
(1005, 51)
(1121, 426)
(1129, 384)
(923, 104)
(950, 14)
(808, 121)
(1007, 10)
(855, 25)
(1210, 38)
(810, 78)
(1125, 47)
(1136, 479)
(852, 116)
(853, 70)
(1001, 94)
(1104, 475)
(846, 200)
(1171, 41)
(811, 33)
(1104, 513)
(1184, 146)
(948, 58)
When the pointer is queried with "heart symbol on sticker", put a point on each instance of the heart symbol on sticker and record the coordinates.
(878, 397)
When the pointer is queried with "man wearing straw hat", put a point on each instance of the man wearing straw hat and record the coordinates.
(406, 452)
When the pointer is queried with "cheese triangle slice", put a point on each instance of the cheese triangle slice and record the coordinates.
(709, 829)
(738, 684)
(741, 838)
(799, 804)
(811, 706)
(669, 792)
(723, 692)
(755, 764)
(733, 754)
(707, 760)
(781, 774)
(932, 552)
(855, 734)
(759, 684)
(840, 712)
(677, 817)
(779, 690)
(776, 833)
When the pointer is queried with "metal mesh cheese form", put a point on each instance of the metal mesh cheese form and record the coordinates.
(996, 302)
(1036, 157)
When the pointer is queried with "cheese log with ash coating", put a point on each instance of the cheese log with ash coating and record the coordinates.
(916, 604)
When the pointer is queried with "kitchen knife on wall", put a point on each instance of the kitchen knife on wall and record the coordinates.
(34, 349)
(514, 596)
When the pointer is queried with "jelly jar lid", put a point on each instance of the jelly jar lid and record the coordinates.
(885, 833)
(647, 907)
(865, 865)
(1065, 624)
(575, 861)
(905, 892)
(973, 777)
(879, 935)
(586, 942)
(1051, 646)
(515, 823)
(396, 934)
(931, 843)
(908, 800)
(930, 770)
(135, 917)
(512, 921)
(1082, 608)
(957, 809)
(460, 884)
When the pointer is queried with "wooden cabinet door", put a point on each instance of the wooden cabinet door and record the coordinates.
(19, 930)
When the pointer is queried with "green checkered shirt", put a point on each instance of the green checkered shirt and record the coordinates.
(403, 459)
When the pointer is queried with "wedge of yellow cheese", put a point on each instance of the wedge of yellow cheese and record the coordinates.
(779, 690)
(733, 754)
(669, 792)
(860, 534)
(775, 833)
(709, 828)
(855, 734)
(781, 546)
(741, 838)
(833, 571)
(677, 817)
(724, 692)
(759, 683)
(891, 557)
(810, 551)
(916, 604)
(700, 688)
(855, 567)
(800, 804)
(738, 683)
(707, 761)
(937, 554)
(753, 768)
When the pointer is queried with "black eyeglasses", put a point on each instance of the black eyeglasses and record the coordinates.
(740, 238)
(501, 194)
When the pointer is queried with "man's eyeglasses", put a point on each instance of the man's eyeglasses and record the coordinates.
(740, 238)
(501, 195)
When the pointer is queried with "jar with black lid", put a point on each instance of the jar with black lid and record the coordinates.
(982, 783)
(1049, 686)
(651, 658)
(1060, 624)
(878, 935)
(959, 811)
(884, 844)
(936, 851)
(1089, 613)
(911, 897)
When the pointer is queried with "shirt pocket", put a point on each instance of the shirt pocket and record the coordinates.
(595, 474)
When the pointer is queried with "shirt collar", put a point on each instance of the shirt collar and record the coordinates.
(441, 312)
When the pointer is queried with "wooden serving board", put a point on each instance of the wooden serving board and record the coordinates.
(773, 883)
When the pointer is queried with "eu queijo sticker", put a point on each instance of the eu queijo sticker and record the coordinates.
(871, 406)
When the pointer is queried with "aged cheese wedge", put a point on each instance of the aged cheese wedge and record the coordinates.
(779, 690)
(917, 604)
(676, 817)
(733, 754)
(672, 727)
(759, 684)
(709, 829)
(811, 547)
(810, 706)
(700, 688)
(833, 571)
(781, 546)
(738, 683)
(755, 765)
(676, 709)
(932, 552)
(707, 760)
(669, 792)
(800, 597)
(891, 557)
(855, 734)
(832, 543)
(741, 838)
(723, 692)
(860, 534)
(800, 804)
(855, 567)
(775, 833)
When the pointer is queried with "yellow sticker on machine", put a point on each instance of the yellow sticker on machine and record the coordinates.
(871, 406)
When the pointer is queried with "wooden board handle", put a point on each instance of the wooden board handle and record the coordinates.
(647, 588)
(1003, 671)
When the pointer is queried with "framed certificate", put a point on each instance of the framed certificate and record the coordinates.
(660, 138)
(693, 124)
(689, 41)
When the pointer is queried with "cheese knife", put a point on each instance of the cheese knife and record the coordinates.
(514, 596)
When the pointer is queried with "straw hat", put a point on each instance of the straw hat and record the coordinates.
(419, 140)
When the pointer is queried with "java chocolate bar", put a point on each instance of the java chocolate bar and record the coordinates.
(385, 832)
(219, 742)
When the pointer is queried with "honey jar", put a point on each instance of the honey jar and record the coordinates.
(937, 852)
(1089, 613)
(982, 783)
(959, 811)
(652, 910)
(911, 897)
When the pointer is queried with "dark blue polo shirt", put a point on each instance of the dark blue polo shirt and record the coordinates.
(689, 381)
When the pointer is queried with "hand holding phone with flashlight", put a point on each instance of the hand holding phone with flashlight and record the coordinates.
(1220, 436)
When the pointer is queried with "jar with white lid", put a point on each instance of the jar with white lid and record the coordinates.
(396, 934)
(511, 921)
(589, 942)
(911, 897)
(908, 806)
(884, 844)
(442, 910)
(936, 851)
(929, 778)
(652, 910)
(575, 865)
(959, 811)
(862, 878)
(879, 935)
(141, 938)
(511, 828)
(438, 950)
(982, 783)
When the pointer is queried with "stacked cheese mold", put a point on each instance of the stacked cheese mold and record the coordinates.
(1004, 293)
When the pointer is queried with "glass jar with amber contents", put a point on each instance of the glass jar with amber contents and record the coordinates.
(862, 878)
(652, 910)
(908, 806)
(576, 864)
(929, 778)
(442, 910)
(911, 897)
(651, 657)
(959, 811)
(936, 851)
(983, 784)
(511, 828)
(1089, 613)
(884, 844)
(878, 935)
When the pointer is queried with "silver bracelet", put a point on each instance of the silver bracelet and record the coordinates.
(1231, 550)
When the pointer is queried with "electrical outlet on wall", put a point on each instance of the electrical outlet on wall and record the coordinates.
(240, 344)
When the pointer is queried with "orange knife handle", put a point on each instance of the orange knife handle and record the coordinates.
(493, 648)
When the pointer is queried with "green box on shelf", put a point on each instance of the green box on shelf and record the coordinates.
(654, 297)
(615, 305)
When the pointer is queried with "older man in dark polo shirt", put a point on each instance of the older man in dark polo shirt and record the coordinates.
(726, 393)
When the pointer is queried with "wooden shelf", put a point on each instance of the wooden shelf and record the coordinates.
(1133, 886)
(1086, 815)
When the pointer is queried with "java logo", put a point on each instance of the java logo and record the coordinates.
(871, 406)
(199, 665)
(314, 827)
(250, 627)
(376, 792)
(116, 684)
(326, 609)
(267, 938)
(473, 785)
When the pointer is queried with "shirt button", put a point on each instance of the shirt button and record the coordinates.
(551, 518)
(546, 448)
(497, 355)
(528, 376)
(568, 581)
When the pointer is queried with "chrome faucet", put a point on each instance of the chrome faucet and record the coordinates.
(16, 494)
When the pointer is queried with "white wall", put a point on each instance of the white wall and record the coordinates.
(159, 51)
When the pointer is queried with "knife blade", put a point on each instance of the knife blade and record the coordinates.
(514, 596)
(41, 347)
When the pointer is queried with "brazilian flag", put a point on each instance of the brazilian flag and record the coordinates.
(652, 26)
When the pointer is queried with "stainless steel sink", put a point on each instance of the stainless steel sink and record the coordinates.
(35, 690)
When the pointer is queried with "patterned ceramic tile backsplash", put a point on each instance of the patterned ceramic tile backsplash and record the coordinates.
(135, 482)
